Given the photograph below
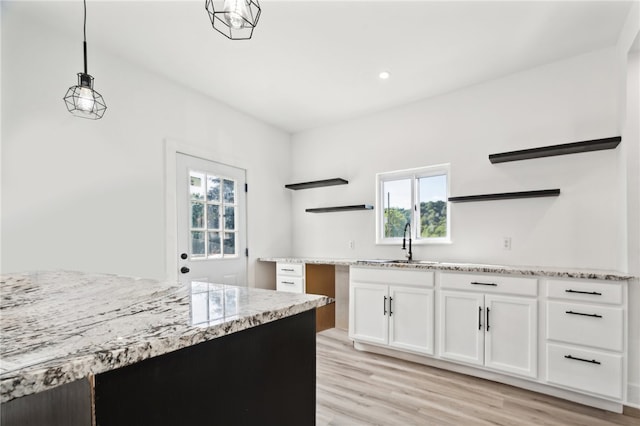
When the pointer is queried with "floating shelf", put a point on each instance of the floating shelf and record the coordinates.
(317, 183)
(507, 195)
(340, 208)
(563, 149)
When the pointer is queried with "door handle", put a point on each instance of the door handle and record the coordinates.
(184, 270)
(487, 319)
(390, 309)
(184, 256)
(479, 317)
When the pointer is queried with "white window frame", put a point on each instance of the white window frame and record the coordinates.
(413, 174)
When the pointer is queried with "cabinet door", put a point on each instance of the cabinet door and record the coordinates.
(411, 319)
(511, 334)
(462, 327)
(368, 320)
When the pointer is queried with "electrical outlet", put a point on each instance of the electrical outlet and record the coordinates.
(352, 244)
(506, 243)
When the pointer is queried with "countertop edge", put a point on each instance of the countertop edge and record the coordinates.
(463, 267)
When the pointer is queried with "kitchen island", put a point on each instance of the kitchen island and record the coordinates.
(82, 349)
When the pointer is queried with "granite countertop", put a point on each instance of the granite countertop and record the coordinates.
(57, 327)
(463, 267)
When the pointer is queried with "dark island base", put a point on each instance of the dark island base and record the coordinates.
(265, 375)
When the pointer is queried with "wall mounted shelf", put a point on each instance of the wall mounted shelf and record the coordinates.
(317, 183)
(340, 208)
(563, 149)
(506, 195)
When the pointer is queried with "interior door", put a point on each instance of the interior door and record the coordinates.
(211, 200)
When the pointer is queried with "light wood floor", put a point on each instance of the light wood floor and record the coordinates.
(359, 388)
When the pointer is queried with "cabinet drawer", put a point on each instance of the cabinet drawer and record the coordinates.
(503, 284)
(585, 291)
(585, 370)
(591, 325)
(392, 276)
(290, 284)
(289, 269)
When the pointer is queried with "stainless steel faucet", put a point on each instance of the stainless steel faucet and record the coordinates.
(409, 255)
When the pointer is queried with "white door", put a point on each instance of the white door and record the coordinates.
(411, 319)
(211, 200)
(462, 322)
(368, 312)
(510, 336)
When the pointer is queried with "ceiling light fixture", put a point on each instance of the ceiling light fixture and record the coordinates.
(82, 100)
(235, 19)
(384, 75)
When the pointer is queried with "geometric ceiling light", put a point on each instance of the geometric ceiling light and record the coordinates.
(235, 19)
(81, 100)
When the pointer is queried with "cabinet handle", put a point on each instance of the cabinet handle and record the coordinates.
(487, 319)
(287, 282)
(591, 361)
(286, 270)
(477, 283)
(390, 300)
(595, 293)
(479, 317)
(384, 306)
(584, 315)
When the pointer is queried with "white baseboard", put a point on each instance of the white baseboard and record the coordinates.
(633, 395)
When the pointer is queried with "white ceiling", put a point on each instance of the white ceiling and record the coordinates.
(312, 63)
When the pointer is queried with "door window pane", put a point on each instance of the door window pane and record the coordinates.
(196, 185)
(213, 216)
(229, 191)
(214, 243)
(229, 218)
(197, 215)
(213, 188)
(229, 243)
(433, 206)
(397, 206)
(197, 244)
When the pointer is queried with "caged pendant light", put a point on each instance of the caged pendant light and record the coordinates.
(81, 100)
(235, 19)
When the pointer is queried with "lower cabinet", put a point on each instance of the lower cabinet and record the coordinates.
(499, 332)
(397, 316)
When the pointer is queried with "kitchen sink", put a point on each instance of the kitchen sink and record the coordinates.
(410, 262)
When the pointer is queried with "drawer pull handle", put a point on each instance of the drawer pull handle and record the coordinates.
(384, 306)
(477, 283)
(584, 315)
(287, 270)
(288, 282)
(591, 361)
(595, 293)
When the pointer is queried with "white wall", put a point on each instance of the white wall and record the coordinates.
(89, 195)
(567, 101)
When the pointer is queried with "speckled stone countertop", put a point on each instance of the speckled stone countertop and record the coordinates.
(463, 267)
(57, 327)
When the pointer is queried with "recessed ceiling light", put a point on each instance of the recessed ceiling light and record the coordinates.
(384, 75)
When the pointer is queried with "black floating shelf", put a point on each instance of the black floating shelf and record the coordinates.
(506, 195)
(340, 208)
(563, 149)
(317, 183)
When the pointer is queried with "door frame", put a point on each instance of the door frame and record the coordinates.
(172, 148)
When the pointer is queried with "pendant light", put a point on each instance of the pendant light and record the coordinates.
(235, 19)
(81, 100)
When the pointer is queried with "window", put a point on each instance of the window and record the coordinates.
(415, 196)
(213, 213)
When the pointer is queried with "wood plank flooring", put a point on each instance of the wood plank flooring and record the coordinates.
(359, 388)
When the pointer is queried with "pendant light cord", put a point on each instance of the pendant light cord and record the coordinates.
(84, 44)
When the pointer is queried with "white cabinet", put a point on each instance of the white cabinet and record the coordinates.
(392, 308)
(290, 277)
(491, 330)
(585, 336)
